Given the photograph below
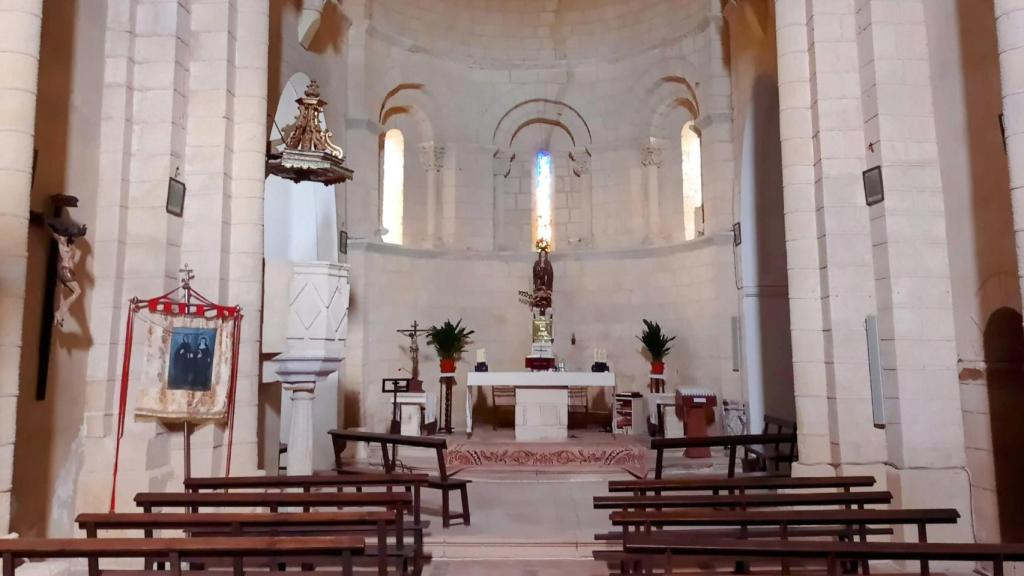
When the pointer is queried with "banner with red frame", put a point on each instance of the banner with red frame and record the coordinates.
(191, 365)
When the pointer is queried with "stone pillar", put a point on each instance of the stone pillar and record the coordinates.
(651, 157)
(432, 161)
(501, 166)
(244, 253)
(806, 320)
(1010, 36)
(316, 333)
(20, 25)
(822, 136)
(924, 420)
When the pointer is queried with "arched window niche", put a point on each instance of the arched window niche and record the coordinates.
(693, 193)
(393, 186)
(543, 198)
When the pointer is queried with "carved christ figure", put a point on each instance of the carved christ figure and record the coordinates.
(543, 282)
(65, 231)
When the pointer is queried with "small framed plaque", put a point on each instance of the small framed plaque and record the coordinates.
(175, 197)
(874, 192)
(342, 242)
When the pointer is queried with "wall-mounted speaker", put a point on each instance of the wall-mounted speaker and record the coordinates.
(735, 326)
(875, 373)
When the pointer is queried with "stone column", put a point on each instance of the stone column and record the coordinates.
(20, 25)
(316, 333)
(432, 161)
(924, 420)
(651, 157)
(806, 320)
(823, 157)
(501, 166)
(1010, 37)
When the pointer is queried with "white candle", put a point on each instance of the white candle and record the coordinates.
(481, 355)
(597, 354)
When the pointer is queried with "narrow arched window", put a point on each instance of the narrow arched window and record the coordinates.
(393, 198)
(543, 197)
(693, 194)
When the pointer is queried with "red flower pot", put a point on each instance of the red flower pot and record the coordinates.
(657, 367)
(447, 365)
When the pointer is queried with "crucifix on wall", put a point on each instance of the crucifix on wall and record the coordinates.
(61, 259)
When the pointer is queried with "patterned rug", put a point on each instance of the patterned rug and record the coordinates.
(549, 456)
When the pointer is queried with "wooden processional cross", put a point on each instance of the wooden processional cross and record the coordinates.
(414, 346)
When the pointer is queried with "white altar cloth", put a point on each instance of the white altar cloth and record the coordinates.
(533, 380)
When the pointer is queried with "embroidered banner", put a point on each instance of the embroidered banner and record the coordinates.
(187, 371)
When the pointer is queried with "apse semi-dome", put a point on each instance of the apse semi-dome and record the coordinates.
(535, 32)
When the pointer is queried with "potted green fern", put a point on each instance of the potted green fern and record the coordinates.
(449, 341)
(657, 345)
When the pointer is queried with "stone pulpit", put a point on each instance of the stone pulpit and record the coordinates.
(318, 298)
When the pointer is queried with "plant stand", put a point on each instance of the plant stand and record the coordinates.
(447, 382)
(657, 383)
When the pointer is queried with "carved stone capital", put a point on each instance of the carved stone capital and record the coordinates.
(580, 161)
(502, 163)
(432, 156)
(652, 155)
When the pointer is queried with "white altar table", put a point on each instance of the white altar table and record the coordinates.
(542, 399)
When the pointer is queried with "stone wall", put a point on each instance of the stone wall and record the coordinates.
(600, 297)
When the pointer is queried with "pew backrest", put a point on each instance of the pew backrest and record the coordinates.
(660, 445)
(175, 550)
(741, 501)
(739, 484)
(389, 444)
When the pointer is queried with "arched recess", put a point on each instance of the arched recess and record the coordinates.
(671, 105)
(520, 133)
(542, 110)
(300, 225)
(426, 200)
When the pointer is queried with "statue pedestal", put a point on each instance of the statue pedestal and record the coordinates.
(417, 411)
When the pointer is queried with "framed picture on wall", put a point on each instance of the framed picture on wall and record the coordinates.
(342, 242)
(874, 192)
(175, 197)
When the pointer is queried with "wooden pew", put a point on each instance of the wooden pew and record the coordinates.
(831, 553)
(775, 524)
(660, 445)
(247, 524)
(408, 482)
(337, 550)
(396, 502)
(273, 500)
(855, 521)
(740, 484)
(742, 501)
(389, 444)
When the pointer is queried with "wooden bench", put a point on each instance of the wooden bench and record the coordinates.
(395, 501)
(378, 523)
(831, 553)
(742, 501)
(389, 444)
(660, 445)
(740, 485)
(783, 520)
(334, 549)
(408, 482)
